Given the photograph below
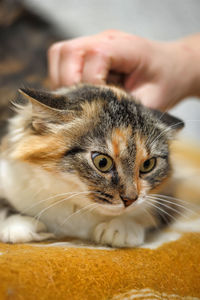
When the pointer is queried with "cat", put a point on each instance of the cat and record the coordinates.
(83, 162)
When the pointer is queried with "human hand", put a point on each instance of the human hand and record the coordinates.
(158, 73)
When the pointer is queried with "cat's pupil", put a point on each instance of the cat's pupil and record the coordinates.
(103, 162)
(147, 164)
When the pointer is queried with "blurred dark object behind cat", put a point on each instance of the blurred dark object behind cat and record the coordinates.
(24, 39)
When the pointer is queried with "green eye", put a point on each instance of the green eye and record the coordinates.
(148, 165)
(102, 162)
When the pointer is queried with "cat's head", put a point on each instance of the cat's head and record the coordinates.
(112, 144)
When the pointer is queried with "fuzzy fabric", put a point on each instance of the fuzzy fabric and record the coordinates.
(70, 271)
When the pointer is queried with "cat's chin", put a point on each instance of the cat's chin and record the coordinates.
(114, 210)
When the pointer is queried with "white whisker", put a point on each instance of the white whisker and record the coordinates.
(56, 203)
(78, 211)
(165, 212)
(151, 217)
(164, 131)
(168, 206)
(184, 202)
(172, 202)
(49, 198)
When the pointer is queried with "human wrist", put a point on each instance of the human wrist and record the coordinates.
(187, 57)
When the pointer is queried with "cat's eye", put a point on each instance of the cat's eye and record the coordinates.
(102, 162)
(148, 165)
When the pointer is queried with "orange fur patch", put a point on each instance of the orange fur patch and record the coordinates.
(141, 156)
(118, 92)
(44, 151)
(120, 137)
(91, 110)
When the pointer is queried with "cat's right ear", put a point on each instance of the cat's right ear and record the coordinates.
(45, 99)
(47, 108)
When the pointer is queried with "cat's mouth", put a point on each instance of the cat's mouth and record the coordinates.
(120, 208)
(108, 204)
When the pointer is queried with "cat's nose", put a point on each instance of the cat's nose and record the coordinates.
(128, 201)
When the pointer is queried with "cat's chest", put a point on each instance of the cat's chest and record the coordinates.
(60, 206)
(69, 220)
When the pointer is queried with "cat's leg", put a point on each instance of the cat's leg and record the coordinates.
(16, 228)
(119, 233)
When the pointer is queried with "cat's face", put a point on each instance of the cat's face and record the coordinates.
(117, 148)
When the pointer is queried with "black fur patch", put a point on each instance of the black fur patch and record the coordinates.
(46, 98)
(74, 151)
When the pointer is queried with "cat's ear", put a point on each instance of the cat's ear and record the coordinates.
(172, 122)
(44, 99)
(48, 109)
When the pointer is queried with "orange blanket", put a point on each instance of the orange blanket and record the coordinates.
(171, 271)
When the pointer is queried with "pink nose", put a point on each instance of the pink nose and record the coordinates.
(128, 201)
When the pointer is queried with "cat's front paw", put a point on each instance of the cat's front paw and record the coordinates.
(22, 229)
(119, 233)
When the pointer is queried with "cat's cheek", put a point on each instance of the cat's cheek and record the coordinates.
(145, 187)
(119, 233)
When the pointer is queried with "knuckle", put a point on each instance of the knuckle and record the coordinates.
(67, 48)
(64, 49)
(99, 50)
(53, 49)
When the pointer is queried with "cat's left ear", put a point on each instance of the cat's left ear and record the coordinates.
(170, 121)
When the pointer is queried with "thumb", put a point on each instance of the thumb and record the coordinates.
(150, 95)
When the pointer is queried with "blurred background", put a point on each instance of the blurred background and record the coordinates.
(153, 19)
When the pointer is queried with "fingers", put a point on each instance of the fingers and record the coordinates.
(86, 59)
(96, 67)
(90, 59)
(65, 64)
(70, 67)
(150, 95)
(77, 61)
(53, 63)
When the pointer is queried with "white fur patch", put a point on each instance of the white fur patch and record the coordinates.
(119, 233)
(21, 229)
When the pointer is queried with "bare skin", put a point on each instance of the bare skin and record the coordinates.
(159, 73)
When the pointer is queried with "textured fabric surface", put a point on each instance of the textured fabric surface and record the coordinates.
(63, 272)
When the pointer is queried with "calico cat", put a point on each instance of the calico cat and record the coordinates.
(82, 162)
